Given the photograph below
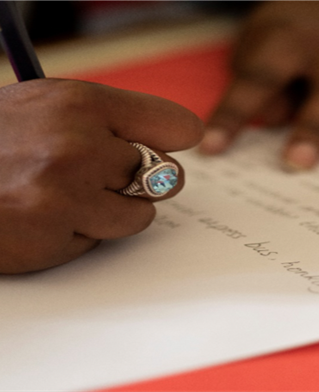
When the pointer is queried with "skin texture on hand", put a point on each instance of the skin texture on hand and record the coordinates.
(275, 80)
(64, 152)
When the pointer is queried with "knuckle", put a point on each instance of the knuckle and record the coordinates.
(228, 117)
(66, 154)
(66, 99)
(37, 204)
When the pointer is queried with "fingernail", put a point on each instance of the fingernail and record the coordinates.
(301, 156)
(214, 141)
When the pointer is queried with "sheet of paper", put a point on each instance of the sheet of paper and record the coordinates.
(228, 270)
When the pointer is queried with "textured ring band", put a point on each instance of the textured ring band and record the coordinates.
(154, 178)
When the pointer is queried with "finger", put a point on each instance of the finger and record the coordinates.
(302, 149)
(261, 73)
(120, 165)
(116, 117)
(120, 170)
(124, 164)
(243, 101)
(102, 161)
(153, 121)
(112, 165)
(281, 109)
(77, 246)
(132, 116)
(278, 112)
(156, 122)
(180, 179)
(108, 215)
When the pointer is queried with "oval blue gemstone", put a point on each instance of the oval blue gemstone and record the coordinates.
(163, 181)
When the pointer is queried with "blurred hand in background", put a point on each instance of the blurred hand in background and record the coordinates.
(275, 80)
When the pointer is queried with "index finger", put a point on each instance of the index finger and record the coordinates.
(153, 121)
(137, 117)
(132, 116)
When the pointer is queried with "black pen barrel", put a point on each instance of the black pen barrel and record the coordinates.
(17, 44)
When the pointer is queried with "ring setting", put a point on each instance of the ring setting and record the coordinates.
(154, 178)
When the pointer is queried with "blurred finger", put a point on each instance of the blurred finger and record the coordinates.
(243, 102)
(261, 72)
(302, 149)
(278, 112)
(282, 108)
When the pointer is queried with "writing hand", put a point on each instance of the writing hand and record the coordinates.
(64, 153)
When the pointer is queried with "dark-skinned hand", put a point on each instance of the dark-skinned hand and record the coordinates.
(64, 154)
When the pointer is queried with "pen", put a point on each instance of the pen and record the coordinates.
(16, 43)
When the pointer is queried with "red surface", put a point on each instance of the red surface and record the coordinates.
(293, 371)
(196, 81)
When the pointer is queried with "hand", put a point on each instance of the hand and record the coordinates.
(276, 79)
(64, 153)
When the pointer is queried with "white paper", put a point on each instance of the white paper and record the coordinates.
(228, 270)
